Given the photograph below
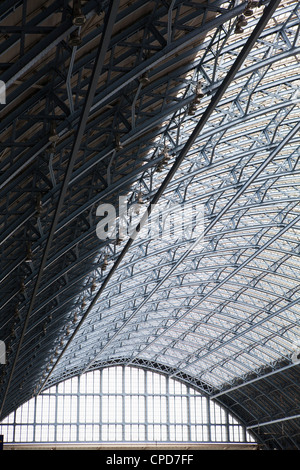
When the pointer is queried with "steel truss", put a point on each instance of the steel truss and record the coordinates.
(216, 312)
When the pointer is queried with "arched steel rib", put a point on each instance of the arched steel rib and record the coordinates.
(218, 217)
(105, 39)
(269, 10)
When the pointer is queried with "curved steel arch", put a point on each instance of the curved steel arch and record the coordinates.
(243, 167)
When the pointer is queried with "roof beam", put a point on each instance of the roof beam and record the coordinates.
(102, 50)
(268, 12)
(215, 220)
(248, 382)
(274, 421)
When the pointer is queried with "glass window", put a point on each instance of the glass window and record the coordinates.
(122, 404)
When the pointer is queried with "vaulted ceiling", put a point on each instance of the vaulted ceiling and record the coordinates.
(191, 107)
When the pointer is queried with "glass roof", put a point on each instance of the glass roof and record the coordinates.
(209, 289)
(223, 303)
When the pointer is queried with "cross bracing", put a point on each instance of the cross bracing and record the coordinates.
(216, 311)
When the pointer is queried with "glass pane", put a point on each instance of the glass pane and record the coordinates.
(122, 403)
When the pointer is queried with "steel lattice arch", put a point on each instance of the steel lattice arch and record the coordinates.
(168, 104)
